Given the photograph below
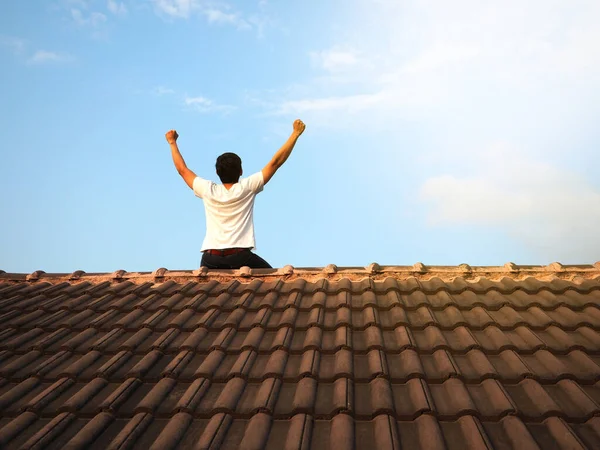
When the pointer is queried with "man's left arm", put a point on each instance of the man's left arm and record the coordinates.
(187, 175)
(284, 152)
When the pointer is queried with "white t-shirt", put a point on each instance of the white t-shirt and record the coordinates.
(229, 213)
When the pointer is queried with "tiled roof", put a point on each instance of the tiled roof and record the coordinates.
(411, 357)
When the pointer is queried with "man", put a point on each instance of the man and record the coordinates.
(229, 206)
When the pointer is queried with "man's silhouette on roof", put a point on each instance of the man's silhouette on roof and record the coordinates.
(229, 206)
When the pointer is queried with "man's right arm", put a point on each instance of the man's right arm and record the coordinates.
(284, 152)
(187, 175)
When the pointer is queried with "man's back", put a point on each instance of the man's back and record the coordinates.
(229, 212)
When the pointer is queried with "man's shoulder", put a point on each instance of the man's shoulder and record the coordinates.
(254, 182)
(201, 186)
(254, 176)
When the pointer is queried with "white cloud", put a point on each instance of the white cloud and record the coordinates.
(14, 44)
(94, 19)
(205, 105)
(44, 56)
(117, 8)
(161, 90)
(176, 8)
(18, 47)
(440, 55)
(467, 74)
(549, 209)
(348, 103)
(334, 59)
(197, 101)
(218, 16)
(218, 13)
(78, 3)
(452, 49)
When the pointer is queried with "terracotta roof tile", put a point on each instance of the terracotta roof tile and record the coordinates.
(417, 357)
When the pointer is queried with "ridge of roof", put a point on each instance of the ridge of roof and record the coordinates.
(418, 270)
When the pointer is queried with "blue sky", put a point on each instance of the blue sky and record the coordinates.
(440, 132)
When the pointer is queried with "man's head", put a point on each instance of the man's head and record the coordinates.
(229, 168)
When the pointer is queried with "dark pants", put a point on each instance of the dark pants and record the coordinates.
(235, 261)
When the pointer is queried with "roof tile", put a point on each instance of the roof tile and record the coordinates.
(342, 432)
(300, 432)
(16, 426)
(215, 431)
(429, 433)
(83, 396)
(423, 361)
(47, 435)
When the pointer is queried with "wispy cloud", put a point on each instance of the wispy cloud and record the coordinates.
(161, 90)
(83, 4)
(205, 105)
(546, 207)
(448, 51)
(14, 44)
(44, 57)
(218, 13)
(467, 75)
(19, 47)
(440, 55)
(348, 103)
(214, 15)
(335, 59)
(175, 8)
(117, 8)
(93, 19)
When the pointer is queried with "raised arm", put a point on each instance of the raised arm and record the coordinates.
(183, 170)
(284, 152)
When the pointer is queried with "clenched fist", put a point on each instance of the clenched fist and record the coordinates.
(171, 136)
(299, 127)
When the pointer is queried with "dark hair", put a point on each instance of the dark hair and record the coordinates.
(229, 167)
